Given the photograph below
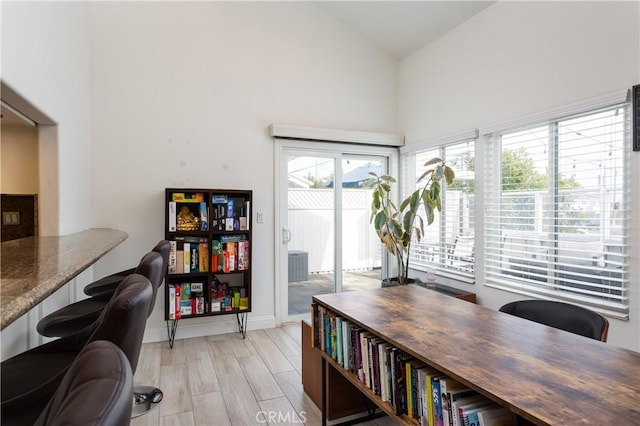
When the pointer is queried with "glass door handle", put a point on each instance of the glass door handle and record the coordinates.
(286, 235)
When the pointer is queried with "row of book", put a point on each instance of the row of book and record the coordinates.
(230, 253)
(191, 255)
(187, 299)
(189, 212)
(228, 214)
(409, 385)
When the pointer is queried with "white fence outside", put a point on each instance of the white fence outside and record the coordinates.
(312, 225)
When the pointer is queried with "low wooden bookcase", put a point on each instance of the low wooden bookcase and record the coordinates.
(541, 374)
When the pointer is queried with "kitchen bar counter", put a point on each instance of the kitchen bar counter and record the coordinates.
(31, 269)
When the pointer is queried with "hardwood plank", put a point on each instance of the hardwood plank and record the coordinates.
(273, 358)
(202, 374)
(220, 346)
(262, 383)
(241, 347)
(293, 330)
(209, 409)
(175, 387)
(180, 419)
(255, 335)
(283, 342)
(296, 361)
(225, 363)
(195, 344)
(241, 404)
(173, 356)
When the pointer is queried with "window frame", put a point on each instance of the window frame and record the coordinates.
(492, 190)
(455, 260)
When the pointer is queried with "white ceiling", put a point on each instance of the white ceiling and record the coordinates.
(401, 28)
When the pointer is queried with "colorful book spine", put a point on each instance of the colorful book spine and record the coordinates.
(172, 265)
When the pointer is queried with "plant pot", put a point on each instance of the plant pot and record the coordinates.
(393, 282)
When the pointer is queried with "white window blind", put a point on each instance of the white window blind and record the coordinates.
(448, 246)
(557, 210)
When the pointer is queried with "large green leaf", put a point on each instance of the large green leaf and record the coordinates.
(404, 204)
(415, 199)
(381, 219)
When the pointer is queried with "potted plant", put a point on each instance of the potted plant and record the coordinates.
(396, 226)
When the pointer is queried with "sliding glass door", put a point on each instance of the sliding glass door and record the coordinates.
(326, 242)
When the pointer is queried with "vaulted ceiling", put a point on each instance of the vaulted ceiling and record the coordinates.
(401, 28)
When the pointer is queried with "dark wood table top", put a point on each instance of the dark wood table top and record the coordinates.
(545, 375)
(32, 268)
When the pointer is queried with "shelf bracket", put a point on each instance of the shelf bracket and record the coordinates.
(241, 317)
(171, 331)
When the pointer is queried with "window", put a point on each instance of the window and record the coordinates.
(557, 209)
(448, 246)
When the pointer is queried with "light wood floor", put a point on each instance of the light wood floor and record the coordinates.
(225, 380)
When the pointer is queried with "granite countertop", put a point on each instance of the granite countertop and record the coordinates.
(32, 268)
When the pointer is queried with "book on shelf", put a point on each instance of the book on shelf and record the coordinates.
(463, 400)
(195, 258)
(428, 417)
(437, 399)
(450, 389)
(204, 215)
(243, 255)
(383, 364)
(176, 301)
(228, 224)
(203, 257)
(187, 197)
(172, 216)
(465, 409)
(197, 298)
(179, 261)
(399, 385)
(172, 304)
(186, 250)
(185, 300)
(339, 349)
(244, 303)
(171, 266)
(452, 397)
(217, 256)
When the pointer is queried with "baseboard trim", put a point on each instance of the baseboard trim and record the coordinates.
(209, 326)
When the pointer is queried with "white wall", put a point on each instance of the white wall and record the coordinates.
(519, 58)
(45, 58)
(19, 165)
(182, 95)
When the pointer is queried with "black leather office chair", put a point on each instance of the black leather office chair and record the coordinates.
(564, 316)
(80, 315)
(104, 287)
(29, 380)
(96, 390)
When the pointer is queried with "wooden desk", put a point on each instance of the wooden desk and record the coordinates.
(544, 375)
(33, 268)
